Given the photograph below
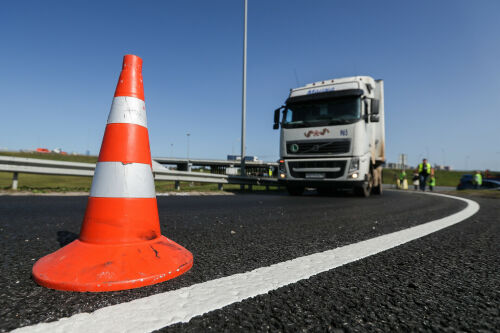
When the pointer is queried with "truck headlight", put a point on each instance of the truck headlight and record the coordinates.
(354, 164)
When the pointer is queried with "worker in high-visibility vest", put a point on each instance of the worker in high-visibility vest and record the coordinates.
(432, 182)
(424, 170)
(402, 177)
(478, 180)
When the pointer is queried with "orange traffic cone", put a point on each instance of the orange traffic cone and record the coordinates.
(120, 245)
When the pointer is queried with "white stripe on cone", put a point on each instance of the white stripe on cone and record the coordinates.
(119, 180)
(128, 110)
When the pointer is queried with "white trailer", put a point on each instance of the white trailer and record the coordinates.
(333, 136)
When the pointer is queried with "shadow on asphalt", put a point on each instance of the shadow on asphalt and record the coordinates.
(65, 237)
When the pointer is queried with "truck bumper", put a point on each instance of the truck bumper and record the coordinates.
(340, 184)
(325, 172)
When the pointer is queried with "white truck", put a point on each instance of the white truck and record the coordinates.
(333, 136)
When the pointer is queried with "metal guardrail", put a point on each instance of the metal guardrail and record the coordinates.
(18, 165)
(250, 180)
(207, 162)
(45, 167)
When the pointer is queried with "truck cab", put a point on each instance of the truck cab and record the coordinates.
(332, 136)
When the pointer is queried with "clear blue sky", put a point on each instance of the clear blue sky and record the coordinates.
(60, 61)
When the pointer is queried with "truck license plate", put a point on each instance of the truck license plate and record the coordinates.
(315, 175)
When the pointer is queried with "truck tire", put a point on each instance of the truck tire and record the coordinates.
(295, 190)
(366, 189)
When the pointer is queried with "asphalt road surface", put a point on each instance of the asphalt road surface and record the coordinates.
(446, 281)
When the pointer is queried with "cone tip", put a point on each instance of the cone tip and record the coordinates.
(130, 81)
(131, 61)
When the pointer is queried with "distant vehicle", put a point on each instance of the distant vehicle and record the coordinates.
(333, 136)
(467, 184)
(59, 151)
(42, 150)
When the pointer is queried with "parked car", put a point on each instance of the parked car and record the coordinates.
(467, 184)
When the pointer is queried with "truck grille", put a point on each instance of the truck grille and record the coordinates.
(316, 165)
(338, 146)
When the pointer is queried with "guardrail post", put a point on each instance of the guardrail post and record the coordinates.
(177, 185)
(250, 187)
(221, 187)
(267, 187)
(14, 181)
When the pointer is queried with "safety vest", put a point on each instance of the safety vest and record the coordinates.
(402, 175)
(478, 178)
(432, 181)
(421, 167)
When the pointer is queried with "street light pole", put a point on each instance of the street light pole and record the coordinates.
(244, 97)
(187, 134)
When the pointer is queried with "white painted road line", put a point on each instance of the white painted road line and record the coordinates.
(157, 311)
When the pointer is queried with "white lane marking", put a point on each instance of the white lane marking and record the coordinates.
(177, 306)
(128, 110)
(118, 180)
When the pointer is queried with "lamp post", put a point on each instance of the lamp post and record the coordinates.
(188, 135)
(244, 94)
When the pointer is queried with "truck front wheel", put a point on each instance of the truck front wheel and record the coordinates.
(295, 190)
(365, 189)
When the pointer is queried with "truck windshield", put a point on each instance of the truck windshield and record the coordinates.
(325, 112)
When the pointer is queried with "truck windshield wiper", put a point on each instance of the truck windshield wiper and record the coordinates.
(299, 123)
(340, 121)
(321, 122)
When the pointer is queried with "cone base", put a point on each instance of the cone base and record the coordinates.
(81, 266)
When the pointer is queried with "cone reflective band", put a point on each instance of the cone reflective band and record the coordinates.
(120, 244)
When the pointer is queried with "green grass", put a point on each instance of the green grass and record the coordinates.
(46, 183)
(443, 178)
(490, 194)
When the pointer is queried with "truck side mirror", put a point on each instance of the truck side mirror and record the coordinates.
(277, 118)
(374, 118)
(375, 106)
